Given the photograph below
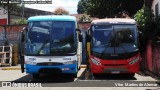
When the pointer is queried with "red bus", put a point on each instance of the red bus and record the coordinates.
(113, 46)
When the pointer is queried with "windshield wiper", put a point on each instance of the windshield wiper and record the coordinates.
(123, 49)
(105, 49)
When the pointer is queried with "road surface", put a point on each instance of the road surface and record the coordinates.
(85, 81)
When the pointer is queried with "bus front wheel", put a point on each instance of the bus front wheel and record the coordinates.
(74, 75)
(130, 75)
(35, 76)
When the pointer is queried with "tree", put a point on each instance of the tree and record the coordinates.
(60, 11)
(144, 18)
(102, 8)
(146, 26)
(82, 6)
(131, 6)
(110, 8)
(22, 21)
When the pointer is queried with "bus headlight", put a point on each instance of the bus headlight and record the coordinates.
(95, 62)
(134, 61)
(31, 63)
(70, 62)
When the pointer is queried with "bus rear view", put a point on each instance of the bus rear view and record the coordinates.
(114, 46)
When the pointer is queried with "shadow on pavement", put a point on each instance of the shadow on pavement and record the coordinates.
(46, 78)
(88, 76)
(114, 77)
(153, 89)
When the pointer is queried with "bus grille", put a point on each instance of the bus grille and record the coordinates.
(50, 70)
(114, 64)
(49, 64)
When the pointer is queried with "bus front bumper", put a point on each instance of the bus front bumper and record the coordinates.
(68, 69)
(114, 69)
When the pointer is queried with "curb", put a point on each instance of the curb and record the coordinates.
(10, 68)
(153, 75)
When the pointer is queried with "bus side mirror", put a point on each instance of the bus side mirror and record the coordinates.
(23, 34)
(77, 29)
(88, 38)
(25, 29)
(80, 36)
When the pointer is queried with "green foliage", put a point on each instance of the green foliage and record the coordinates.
(85, 18)
(144, 18)
(148, 25)
(22, 21)
(102, 8)
(60, 11)
(145, 21)
(82, 6)
(110, 8)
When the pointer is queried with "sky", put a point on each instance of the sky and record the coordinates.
(69, 5)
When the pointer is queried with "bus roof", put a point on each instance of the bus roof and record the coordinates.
(52, 18)
(114, 21)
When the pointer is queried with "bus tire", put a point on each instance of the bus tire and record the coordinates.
(96, 75)
(74, 75)
(35, 76)
(130, 75)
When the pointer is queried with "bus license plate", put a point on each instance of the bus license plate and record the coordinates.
(115, 72)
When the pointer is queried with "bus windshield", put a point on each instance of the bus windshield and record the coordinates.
(50, 38)
(113, 40)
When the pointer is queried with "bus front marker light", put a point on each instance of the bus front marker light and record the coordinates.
(95, 62)
(134, 61)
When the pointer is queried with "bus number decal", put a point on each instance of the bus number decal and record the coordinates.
(66, 58)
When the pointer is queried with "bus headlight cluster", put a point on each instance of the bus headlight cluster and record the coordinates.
(70, 62)
(30, 62)
(95, 62)
(134, 61)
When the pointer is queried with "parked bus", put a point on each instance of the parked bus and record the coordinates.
(50, 44)
(113, 46)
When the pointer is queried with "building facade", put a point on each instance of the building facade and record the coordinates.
(3, 16)
(11, 17)
(156, 7)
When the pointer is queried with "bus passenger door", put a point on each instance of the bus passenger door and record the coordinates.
(79, 47)
(21, 48)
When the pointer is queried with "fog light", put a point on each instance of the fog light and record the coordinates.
(134, 61)
(65, 68)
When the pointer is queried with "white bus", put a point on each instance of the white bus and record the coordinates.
(51, 44)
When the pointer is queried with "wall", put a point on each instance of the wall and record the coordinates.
(11, 33)
(153, 6)
(156, 57)
(151, 58)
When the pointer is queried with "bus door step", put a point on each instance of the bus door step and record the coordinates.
(83, 66)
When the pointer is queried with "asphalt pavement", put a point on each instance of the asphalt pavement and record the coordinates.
(84, 80)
